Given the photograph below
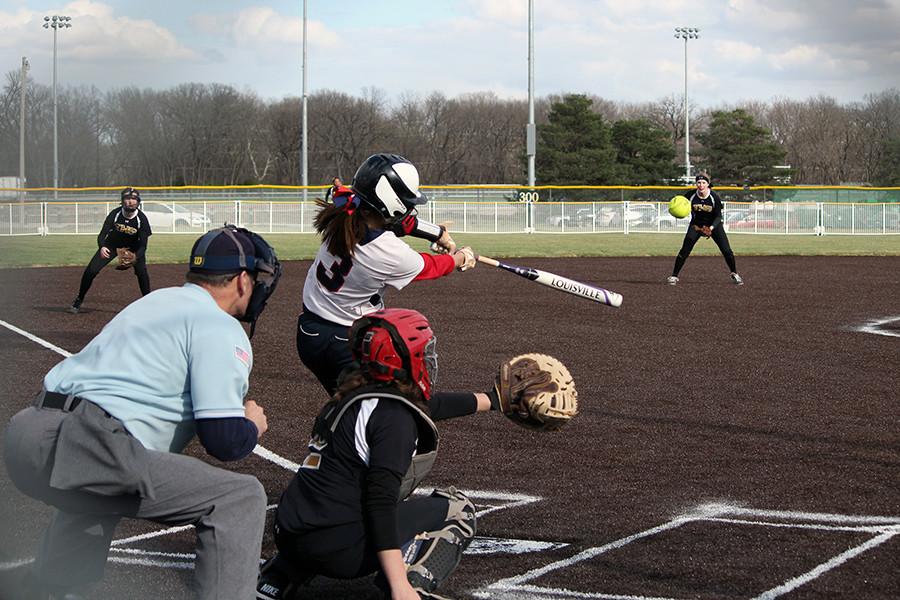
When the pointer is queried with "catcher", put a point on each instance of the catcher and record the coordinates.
(706, 221)
(348, 512)
(124, 235)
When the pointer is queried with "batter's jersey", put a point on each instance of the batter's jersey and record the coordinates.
(166, 359)
(341, 290)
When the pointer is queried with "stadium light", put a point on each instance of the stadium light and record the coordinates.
(686, 33)
(56, 22)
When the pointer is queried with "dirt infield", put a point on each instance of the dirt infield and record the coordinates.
(733, 442)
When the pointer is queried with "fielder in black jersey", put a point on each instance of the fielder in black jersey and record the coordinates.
(347, 512)
(706, 221)
(125, 227)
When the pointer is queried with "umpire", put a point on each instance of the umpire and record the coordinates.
(706, 221)
(125, 227)
(104, 437)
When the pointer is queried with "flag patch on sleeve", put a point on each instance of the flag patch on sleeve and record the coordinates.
(242, 355)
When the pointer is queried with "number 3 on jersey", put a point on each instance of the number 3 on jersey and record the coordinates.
(333, 279)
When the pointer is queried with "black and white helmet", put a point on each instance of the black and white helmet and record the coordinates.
(389, 184)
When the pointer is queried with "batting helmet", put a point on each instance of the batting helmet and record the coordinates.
(231, 249)
(389, 184)
(396, 344)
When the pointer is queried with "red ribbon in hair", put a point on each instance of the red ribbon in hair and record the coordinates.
(346, 199)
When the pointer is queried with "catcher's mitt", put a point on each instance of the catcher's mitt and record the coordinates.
(537, 392)
(126, 259)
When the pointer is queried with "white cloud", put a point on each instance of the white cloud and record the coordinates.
(739, 51)
(748, 13)
(97, 35)
(815, 62)
(500, 10)
(265, 29)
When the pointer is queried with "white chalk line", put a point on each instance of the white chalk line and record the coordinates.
(875, 327)
(35, 339)
(838, 560)
(517, 588)
(847, 528)
(533, 592)
(478, 546)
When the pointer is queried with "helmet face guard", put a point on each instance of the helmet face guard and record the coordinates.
(396, 344)
(389, 184)
(263, 263)
(268, 272)
(130, 193)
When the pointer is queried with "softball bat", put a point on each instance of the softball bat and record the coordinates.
(557, 282)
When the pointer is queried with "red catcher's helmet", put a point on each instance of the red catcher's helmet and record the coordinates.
(396, 344)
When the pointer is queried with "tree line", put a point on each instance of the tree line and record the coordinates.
(212, 134)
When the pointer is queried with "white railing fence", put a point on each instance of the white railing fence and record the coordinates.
(285, 216)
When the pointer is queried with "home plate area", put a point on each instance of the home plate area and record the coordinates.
(716, 550)
(154, 548)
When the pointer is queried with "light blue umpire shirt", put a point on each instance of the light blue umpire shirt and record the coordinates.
(166, 359)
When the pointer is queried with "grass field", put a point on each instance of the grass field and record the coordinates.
(28, 251)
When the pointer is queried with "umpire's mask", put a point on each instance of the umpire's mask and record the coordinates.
(232, 249)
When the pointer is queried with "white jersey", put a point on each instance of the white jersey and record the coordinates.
(342, 290)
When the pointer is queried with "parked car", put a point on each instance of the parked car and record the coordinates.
(585, 217)
(755, 222)
(651, 214)
(558, 220)
(164, 216)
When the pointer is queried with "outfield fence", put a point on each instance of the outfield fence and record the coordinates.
(812, 210)
(188, 216)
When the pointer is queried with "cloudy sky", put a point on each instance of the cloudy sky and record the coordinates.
(621, 50)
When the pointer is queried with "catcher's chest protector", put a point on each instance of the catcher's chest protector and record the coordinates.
(426, 444)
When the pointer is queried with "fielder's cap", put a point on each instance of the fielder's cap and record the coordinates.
(223, 250)
(702, 177)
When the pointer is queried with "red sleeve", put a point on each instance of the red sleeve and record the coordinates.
(436, 265)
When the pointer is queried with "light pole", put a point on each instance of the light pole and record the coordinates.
(686, 33)
(530, 133)
(55, 22)
(304, 150)
(22, 84)
(530, 129)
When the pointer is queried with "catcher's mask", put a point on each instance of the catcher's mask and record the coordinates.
(389, 184)
(232, 249)
(130, 193)
(396, 344)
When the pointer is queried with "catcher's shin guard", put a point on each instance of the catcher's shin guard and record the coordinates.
(433, 555)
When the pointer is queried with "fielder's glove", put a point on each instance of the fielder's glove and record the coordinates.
(126, 259)
(535, 391)
(444, 244)
(705, 231)
(471, 259)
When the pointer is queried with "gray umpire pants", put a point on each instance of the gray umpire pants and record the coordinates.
(86, 464)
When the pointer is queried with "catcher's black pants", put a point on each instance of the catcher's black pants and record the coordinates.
(98, 262)
(344, 552)
(690, 239)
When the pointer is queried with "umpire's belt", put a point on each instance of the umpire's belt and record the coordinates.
(63, 402)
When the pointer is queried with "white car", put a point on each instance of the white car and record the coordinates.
(168, 217)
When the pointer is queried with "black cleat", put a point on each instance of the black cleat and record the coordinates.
(76, 306)
(276, 582)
